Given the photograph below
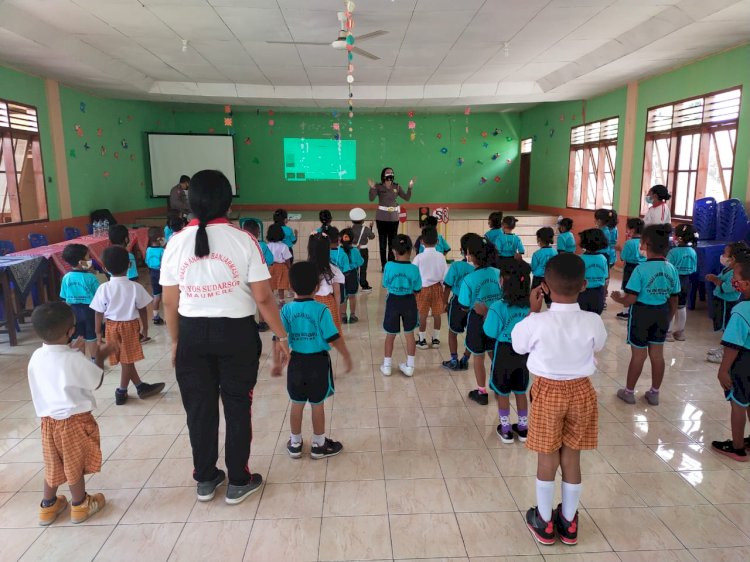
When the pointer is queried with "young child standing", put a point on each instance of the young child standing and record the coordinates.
(281, 217)
(457, 271)
(326, 218)
(509, 372)
(509, 246)
(402, 281)
(121, 302)
(282, 259)
(432, 269)
(651, 294)
(362, 235)
(566, 242)
(78, 288)
(119, 236)
(685, 261)
(544, 237)
(495, 222)
(253, 228)
(480, 286)
(330, 277)
(725, 296)
(311, 331)
(606, 220)
(351, 276)
(62, 384)
(560, 344)
(154, 254)
(593, 243)
(734, 372)
(632, 256)
(441, 247)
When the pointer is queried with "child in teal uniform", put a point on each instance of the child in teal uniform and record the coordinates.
(594, 242)
(495, 222)
(351, 286)
(651, 294)
(725, 296)
(606, 220)
(119, 236)
(457, 271)
(685, 260)
(509, 246)
(338, 255)
(566, 242)
(544, 237)
(402, 281)
(253, 228)
(481, 286)
(175, 223)
(311, 331)
(734, 372)
(442, 246)
(78, 288)
(154, 254)
(281, 217)
(326, 218)
(509, 372)
(631, 255)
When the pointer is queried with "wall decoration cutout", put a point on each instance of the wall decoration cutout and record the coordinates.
(497, 179)
(460, 161)
(228, 121)
(484, 134)
(103, 150)
(106, 174)
(440, 136)
(124, 144)
(444, 150)
(86, 146)
(247, 140)
(99, 132)
(485, 145)
(116, 155)
(132, 157)
(495, 156)
(482, 180)
(72, 153)
(78, 130)
(82, 107)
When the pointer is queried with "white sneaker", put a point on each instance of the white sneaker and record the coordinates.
(669, 337)
(386, 370)
(716, 351)
(406, 370)
(715, 358)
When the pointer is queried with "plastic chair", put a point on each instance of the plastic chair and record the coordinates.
(704, 218)
(260, 225)
(731, 220)
(38, 240)
(6, 247)
(71, 232)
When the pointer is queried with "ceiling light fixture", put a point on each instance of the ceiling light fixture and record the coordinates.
(185, 43)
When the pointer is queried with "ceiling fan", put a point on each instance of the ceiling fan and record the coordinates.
(340, 42)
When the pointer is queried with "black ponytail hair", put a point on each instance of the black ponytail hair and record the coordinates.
(661, 192)
(545, 235)
(347, 240)
(481, 250)
(210, 197)
(325, 217)
(635, 224)
(566, 224)
(510, 222)
(686, 233)
(593, 240)
(280, 215)
(319, 253)
(606, 216)
(496, 219)
(516, 283)
(402, 244)
(464, 240)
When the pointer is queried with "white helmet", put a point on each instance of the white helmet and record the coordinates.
(357, 214)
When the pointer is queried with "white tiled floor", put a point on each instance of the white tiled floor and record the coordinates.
(422, 476)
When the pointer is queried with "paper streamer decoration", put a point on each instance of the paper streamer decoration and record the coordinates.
(412, 125)
(228, 121)
(99, 132)
(444, 150)
(78, 130)
(82, 107)
(497, 179)
(482, 180)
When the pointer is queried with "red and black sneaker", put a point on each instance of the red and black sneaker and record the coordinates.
(566, 530)
(543, 531)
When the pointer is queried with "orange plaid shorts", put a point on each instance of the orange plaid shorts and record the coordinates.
(70, 448)
(128, 335)
(279, 276)
(333, 306)
(563, 413)
(431, 298)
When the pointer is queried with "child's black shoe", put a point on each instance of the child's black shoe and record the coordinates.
(543, 531)
(479, 397)
(145, 389)
(566, 530)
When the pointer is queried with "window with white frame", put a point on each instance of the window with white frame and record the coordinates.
(526, 146)
(690, 148)
(591, 175)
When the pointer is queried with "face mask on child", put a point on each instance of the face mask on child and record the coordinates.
(725, 261)
(86, 264)
(649, 200)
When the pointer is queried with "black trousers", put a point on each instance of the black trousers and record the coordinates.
(218, 357)
(387, 231)
(363, 268)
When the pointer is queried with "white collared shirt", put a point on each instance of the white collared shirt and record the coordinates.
(326, 288)
(62, 382)
(280, 252)
(120, 299)
(561, 342)
(657, 215)
(432, 266)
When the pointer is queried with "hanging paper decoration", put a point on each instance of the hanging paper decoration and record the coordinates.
(99, 132)
(86, 146)
(495, 156)
(467, 126)
(497, 179)
(227, 108)
(508, 161)
(412, 136)
(484, 134)
(349, 27)
(485, 145)
(444, 150)
(124, 143)
(270, 112)
(271, 122)
(412, 125)
(482, 180)
(336, 127)
(247, 140)
(72, 153)
(78, 130)
(103, 150)
(82, 107)
(467, 111)
(410, 114)
(116, 155)
(460, 161)
(496, 132)
(228, 121)
(440, 136)
(337, 137)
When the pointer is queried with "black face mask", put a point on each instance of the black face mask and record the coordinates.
(390, 178)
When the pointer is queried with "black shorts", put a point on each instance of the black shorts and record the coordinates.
(722, 312)
(351, 282)
(457, 316)
(535, 283)
(626, 273)
(309, 377)
(592, 300)
(740, 374)
(400, 310)
(477, 341)
(648, 324)
(685, 286)
(509, 372)
(155, 286)
(85, 322)
(503, 261)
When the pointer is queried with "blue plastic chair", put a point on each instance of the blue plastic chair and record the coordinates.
(71, 232)
(731, 220)
(38, 240)
(6, 247)
(704, 218)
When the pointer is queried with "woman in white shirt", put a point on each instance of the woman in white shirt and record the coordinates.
(214, 279)
(658, 197)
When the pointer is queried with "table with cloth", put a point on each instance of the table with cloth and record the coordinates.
(19, 274)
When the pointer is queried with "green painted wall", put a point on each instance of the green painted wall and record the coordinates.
(382, 140)
(27, 89)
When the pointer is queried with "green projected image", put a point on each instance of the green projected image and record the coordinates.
(320, 159)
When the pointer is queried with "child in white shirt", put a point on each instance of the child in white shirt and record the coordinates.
(282, 260)
(432, 269)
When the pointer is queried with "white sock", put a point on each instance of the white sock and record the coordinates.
(318, 440)
(571, 493)
(422, 336)
(295, 438)
(436, 335)
(409, 360)
(680, 319)
(387, 361)
(545, 493)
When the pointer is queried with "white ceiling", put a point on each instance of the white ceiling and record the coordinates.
(436, 54)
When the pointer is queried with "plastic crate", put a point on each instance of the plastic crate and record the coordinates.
(704, 218)
(731, 220)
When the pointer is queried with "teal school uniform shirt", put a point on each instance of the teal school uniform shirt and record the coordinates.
(566, 242)
(655, 281)
(502, 318)
(612, 238)
(597, 270)
(153, 257)
(355, 258)
(737, 332)
(481, 285)
(684, 259)
(309, 326)
(724, 289)
(456, 274)
(493, 235)
(539, 260)
(441, 247)
(132, 268)
(631, 252)
(168, 232)
(289, 238)
(401, 278)
(267, 253)
(508, 245)
(340, 259)
(78, 287)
